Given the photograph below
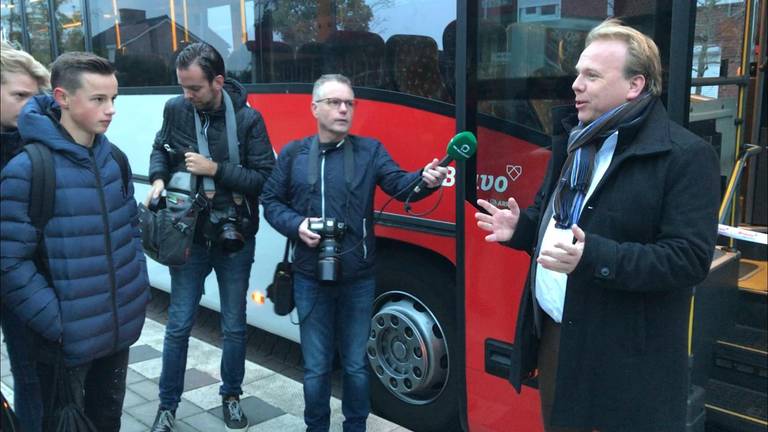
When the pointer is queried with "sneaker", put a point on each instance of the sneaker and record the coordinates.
(164, 421)
(234, 417)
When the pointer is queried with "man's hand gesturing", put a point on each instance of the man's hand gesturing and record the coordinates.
(500, 223)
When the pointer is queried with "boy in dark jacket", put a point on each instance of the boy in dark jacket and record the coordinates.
(213, 113)
(86, 307)
(335, 306)
(21, 77)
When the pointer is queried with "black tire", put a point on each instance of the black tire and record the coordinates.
(406, 279)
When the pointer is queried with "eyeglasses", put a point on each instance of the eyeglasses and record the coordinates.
(335, 103)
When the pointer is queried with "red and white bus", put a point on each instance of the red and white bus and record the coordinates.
(423, 70)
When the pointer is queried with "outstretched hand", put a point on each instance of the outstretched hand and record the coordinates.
(501, 223)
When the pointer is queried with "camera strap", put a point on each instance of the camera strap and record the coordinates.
(233, 145)
(313, 170)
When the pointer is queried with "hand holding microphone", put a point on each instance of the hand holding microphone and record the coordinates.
(461, 147)
(433, 174)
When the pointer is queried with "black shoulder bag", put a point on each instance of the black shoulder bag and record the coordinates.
(280, 291)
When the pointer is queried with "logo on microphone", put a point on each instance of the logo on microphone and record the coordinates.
(466, 150)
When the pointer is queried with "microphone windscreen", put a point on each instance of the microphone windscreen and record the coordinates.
(462, 146)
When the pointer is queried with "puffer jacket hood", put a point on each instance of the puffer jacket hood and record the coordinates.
(39, 122)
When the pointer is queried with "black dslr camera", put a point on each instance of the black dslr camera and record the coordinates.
(227, 228)
(328, 262)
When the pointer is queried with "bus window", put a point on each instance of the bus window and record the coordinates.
(142, 37)
(39, 31)
(10, 21)
(69, 26)
(386, 45)
(717, 51)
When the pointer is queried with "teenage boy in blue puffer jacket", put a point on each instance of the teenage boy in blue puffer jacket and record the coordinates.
(93, 308)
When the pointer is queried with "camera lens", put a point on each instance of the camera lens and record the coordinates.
(230, 239)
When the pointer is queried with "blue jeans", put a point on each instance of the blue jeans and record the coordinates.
(331, 316)
(232, 274)
(27, 401)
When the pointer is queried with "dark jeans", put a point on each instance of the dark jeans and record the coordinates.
(98, 385)
(26, 387)
(331, 316)
(187, 281)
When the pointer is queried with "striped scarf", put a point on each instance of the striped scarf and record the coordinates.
(583, 143)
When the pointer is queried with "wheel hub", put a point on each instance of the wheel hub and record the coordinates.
(407, 350)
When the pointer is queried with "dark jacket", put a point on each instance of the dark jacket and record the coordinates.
(95, 305)
(288, 198)
(651, 226)
(177, 136)
(10, 145)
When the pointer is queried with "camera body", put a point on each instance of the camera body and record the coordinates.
(331, 232)
(226, 227)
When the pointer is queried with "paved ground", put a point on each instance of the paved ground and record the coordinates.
(272, 401)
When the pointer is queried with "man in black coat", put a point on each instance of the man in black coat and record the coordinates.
(622, 228)
(212, 113)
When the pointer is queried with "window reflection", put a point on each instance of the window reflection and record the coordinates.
(384, 44)
(10, 21)
(69, 26)
(39, 30)
(717, 51)
(527, 51)
(378, 44)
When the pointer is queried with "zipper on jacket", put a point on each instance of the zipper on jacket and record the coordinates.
(206, 123)
(365, 239)
(322, 184)
(108, 245)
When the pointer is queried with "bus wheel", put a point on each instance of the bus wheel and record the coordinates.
(409, 346)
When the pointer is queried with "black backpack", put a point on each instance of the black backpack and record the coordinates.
(42, 188)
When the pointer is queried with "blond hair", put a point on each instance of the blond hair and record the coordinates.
(642, 52)
(17, 61)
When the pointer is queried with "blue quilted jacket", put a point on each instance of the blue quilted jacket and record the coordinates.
(95, 303)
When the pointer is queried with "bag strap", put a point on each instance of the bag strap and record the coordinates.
(287, 251)
(42, 189)
(233, 145)
(122, 162)
(314, 160)
(42, 196)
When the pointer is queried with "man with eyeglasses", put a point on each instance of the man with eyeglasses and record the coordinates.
(321, 192)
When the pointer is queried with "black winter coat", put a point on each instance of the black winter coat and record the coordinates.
(10, 145)
(288, 198)
(177, 136)
(651, 226)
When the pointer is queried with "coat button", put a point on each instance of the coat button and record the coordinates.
(605, 272)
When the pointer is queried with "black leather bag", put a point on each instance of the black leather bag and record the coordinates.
(280, 291)
(168, 225)
(69, 413)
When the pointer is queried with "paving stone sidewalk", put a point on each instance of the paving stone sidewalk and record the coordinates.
(272, 402)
